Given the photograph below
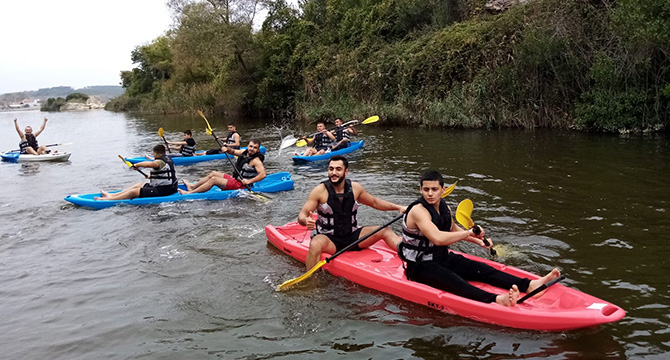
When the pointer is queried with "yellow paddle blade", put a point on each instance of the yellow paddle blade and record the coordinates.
(209, 128)
(370, 120)
(464, 213)
(300, 143)
(125, 161)
(288, 283)
(161, 132)
(448, 190)
(208, 131)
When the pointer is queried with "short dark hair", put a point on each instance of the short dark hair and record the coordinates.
(340, 158)
(255, 141)
(231, 124)
(432, 175)
(188, 132)
(159, 149)
(320, 122)
(338, 118)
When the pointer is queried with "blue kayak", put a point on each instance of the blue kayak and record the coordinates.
(272, 183)
(353, 146)
(187, 160)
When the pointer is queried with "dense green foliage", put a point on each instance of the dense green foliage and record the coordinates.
(53, 104)
(590, 64)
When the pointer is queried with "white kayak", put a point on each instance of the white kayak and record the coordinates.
(15, 156)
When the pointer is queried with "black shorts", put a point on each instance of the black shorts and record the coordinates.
(155, 191)
(342, 241)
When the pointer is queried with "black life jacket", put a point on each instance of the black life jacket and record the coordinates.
(322, 141)
(415, 246)
(242, 168)
(165, 176)
(340, 133)
(339, 218)
(189, 148)
(231, 140)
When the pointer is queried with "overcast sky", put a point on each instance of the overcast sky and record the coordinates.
(47, 43)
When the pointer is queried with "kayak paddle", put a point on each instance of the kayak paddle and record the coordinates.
(161, 132)
(286, 284)
(287, 142)
(50, 145)
(540, 288)
(210, 132)
(463, 212)
(370, 120)
(132, 166)
(448, 190)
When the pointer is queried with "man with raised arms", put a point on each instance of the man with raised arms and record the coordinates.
(336, 203)
(429, 229)
(28, 143)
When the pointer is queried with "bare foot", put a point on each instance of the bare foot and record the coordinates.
(183, 192)
(534, 284)
(104, 194)
(187, 184)
(510, 298)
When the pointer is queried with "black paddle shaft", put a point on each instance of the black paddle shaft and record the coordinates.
(478, 230)
(364, 238)
(540, 288)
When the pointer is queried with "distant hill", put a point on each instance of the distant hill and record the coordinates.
(104, 92)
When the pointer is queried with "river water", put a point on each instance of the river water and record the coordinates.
(196, 279)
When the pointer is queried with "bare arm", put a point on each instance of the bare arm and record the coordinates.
(420, 218)
(177, 142)
(331, 136)
(366, 198)
(148, 164)
(44, 124)
(236, 137)
(352, 130)
(18, 130)
(305, 216)
(258, 165)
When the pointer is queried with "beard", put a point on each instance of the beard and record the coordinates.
(338, 182)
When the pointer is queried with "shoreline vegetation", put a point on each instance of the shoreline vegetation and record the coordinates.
(591, 65)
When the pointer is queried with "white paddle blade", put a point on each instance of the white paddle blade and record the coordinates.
(288, 141)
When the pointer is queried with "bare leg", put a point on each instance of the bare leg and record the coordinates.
(31, 151)
(386, 234)
(318, 245)
(310, 151)
(214, 181)
(128, 193)
(534, 284)
(211, 175)
(510, 298)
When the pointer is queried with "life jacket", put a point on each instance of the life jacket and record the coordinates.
(322, 141)
(231, 140)
(164, 176)
(242, 167)
(338, 215)
(188, 149)
(23, 145)
(415, 247)
(341, 134)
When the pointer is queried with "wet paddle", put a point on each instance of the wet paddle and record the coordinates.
(211, 132)
(540, 288)
(288, 283)
(463, 213)
(449, 190)
(209, 129)
(370, 120)
(132, 166)
(161, 132)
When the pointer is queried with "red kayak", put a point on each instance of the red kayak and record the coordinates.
(378, 267)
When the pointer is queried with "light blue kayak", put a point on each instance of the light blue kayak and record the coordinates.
(353, 146)
(187, 160)
(272, 183)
